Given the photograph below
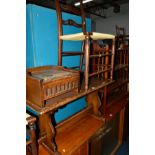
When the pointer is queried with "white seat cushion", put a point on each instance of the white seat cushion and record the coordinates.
(73, 37)
(81, 36)
(97, 36)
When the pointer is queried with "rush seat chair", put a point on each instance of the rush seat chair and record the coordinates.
(84, 36)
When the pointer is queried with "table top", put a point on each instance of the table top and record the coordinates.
(59, 101)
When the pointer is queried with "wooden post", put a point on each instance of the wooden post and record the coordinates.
(33, 138)
(87, 61)
(106, 61)
(105, 101)
(112, 59)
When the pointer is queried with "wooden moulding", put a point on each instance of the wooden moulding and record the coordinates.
(44, 83)
(73, 134)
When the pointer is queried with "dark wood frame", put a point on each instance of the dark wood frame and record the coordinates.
(31, 131)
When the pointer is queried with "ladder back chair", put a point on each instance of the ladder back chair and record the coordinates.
(83, 36)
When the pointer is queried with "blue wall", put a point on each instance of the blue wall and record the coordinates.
(42, 47)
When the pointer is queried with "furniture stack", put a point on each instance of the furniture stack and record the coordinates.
(52, 87)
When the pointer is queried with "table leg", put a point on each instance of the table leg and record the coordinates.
(47, 133)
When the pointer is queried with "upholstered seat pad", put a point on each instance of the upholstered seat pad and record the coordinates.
(81, 36)
(97, 36)
(73, 37)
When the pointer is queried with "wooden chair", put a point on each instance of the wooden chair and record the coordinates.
(121, 38)
(103, 61)
(121, 69)
(31, 144)
(121, 73)
(84, 36)
(120, 31)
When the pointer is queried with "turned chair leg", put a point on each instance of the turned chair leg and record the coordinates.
(33, 139)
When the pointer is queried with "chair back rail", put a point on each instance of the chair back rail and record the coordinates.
(74, 10)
